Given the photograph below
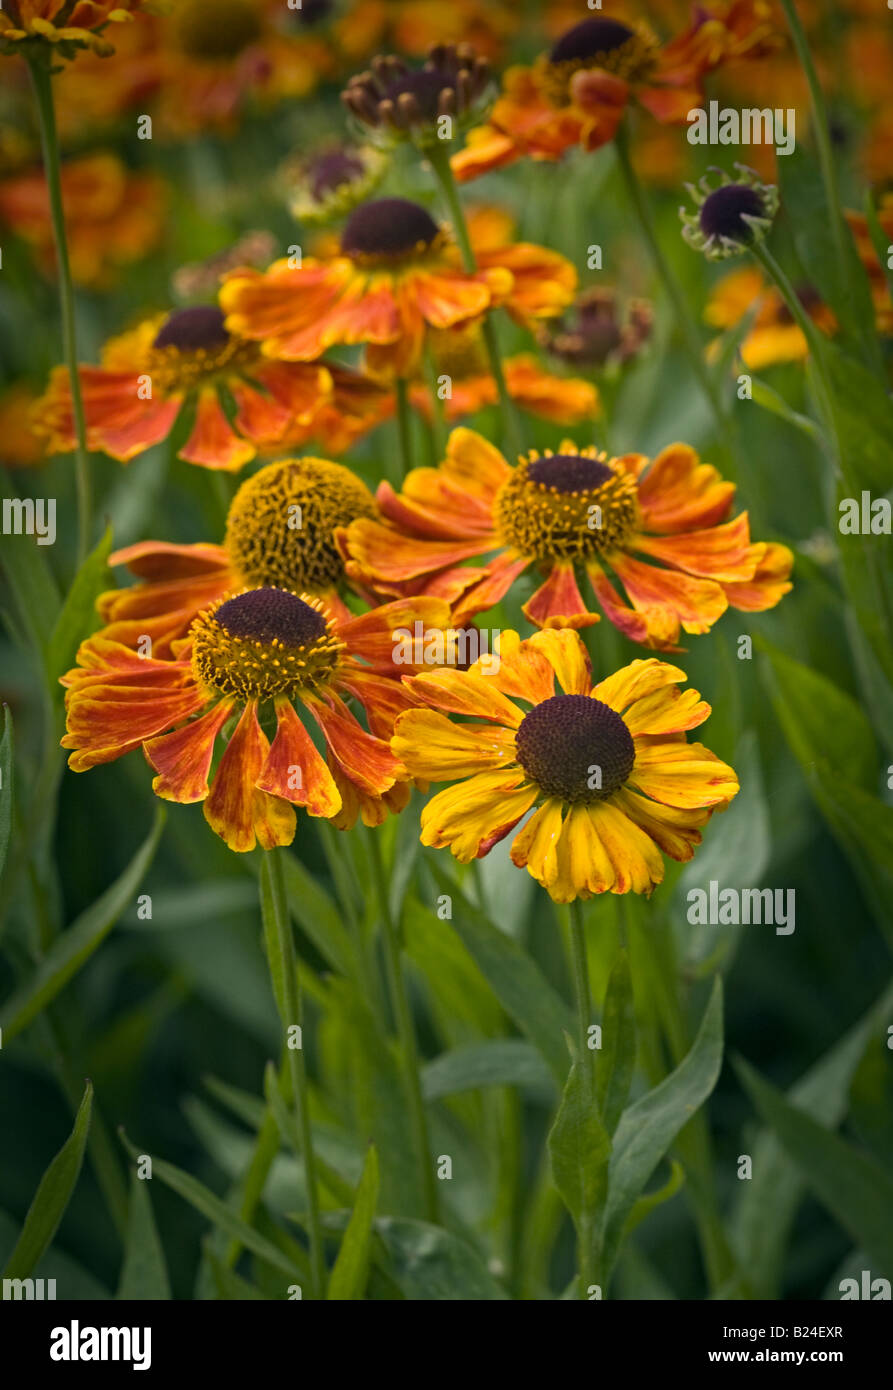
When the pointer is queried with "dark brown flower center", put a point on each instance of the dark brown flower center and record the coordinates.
(199, 329)
(588, 39)
(271, 615)
(723, 212)
(389, 227)
(570, 473)
(576, 748)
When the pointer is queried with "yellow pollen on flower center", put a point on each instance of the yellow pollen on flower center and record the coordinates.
(191, 348)
(262, 643)
(281, 522)
(567, 506)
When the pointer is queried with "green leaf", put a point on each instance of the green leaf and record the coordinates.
(822, 723)
(649, 1126)
(52, 1196)
(616, 1061)
(518, 983)
(768, 1202)
(580, 1149)
(431, 1264)
(218, 1213)
(7, 786)
(76, 945)
(351, 1269)
(315, 912)
(854, 1187)
(769, 399)
(144, 1274)
(78, 617)
(31, 581)
(231, 1286)
(647, 1204)
(846, 289)
(863, 420)
(496, 1062)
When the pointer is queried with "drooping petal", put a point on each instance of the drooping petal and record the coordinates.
(183, 759)
(675, 831)
(213, 442)
(367, 760)
(584, 867)
(473, 816)
(769, 584)
(558, 602)
(668, 597)
(636, 859)
(294, 768)
(535, 846)
(568, 658)
(235, 809)
(467, 693)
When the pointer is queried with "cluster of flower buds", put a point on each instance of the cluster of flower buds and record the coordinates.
(396, 102)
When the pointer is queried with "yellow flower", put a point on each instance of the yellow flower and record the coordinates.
(59, 22)
(608, 768)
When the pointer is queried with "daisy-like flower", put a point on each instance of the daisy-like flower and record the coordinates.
(329, 184)
(257, 649)
(218, 58)
(577, 93)
(567, 513)
(607, 767)
(279, 534)
(186, 358)
(774, 335)
(69, 25)
(397, 276)
(730, 215)
(397, 103)
(460, 355)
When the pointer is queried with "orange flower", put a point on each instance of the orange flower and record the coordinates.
(773, 336)
(262, 647)
(217, 57)
(72, 24)
(279, 533)
(459, 354)
(134, 399)
(397, 277)
(565, 513)
(113, 217)
(577, 93)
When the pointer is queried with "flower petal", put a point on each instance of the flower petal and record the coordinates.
(682, 774)
(432, 747)
(183, 759)
(568, 658)
(295, 770)
(558, 602)
(235, 810)
(473, 816)
(213, 442)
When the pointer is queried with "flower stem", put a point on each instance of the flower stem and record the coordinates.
(404, 423)
(439, 160)
(405, 1032)
(42, 82)
(587, 1225)
(284, 979)
(690, 333)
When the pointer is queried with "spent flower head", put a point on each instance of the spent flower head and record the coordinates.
(396, 103)
(730, 215)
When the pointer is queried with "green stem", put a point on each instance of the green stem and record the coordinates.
(405, 1032)
(404, 424)
(281, 951)
(439, 160)
(42, 82)
(690, 333)
(586, 1233)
